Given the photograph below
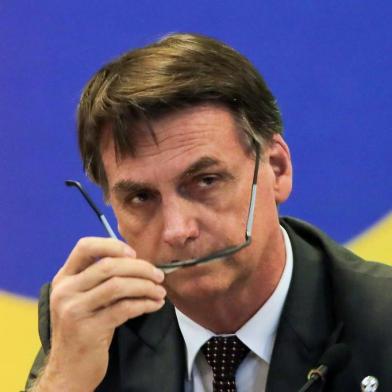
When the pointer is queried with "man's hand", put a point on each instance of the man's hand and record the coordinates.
(101, 285)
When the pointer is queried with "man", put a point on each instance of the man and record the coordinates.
(174, 133)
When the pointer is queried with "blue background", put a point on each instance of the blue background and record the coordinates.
(328, 63)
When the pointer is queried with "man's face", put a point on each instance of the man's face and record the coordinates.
(187, 195)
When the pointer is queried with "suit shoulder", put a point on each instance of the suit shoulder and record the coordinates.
(358, 286)
(318, 239)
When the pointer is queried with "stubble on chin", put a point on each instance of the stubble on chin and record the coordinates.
(199, 283)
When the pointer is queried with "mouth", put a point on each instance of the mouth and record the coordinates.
(176, 264)
(174, 261)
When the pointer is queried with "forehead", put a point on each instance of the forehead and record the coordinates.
(181, 137)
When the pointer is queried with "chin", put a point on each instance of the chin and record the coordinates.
(198, 283)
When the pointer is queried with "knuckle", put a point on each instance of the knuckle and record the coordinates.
(55, 299)
(115, 285)
(127, 306)
(68, 311)
(59, 292)
(106, 266)
(84, 244)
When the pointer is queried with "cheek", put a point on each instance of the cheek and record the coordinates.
(140, 235)
(266, 208)
(146, 243)
(127, 225)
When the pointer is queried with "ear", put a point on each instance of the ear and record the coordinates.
(278, 154)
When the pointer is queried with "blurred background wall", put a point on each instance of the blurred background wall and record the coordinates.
(328, 63)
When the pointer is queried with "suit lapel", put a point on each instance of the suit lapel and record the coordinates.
(307, 324)
(152, 346)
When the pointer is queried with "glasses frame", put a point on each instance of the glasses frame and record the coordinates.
(220, 254)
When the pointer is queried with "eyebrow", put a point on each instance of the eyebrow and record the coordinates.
(130, 186)
(200, 165)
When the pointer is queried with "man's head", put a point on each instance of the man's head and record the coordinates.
(177, 72)
(168, 131)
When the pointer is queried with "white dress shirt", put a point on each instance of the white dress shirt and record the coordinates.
(258, 333)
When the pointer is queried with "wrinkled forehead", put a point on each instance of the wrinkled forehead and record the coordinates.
(198, 125)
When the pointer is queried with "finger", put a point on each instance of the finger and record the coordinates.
(90, 249)
(84, 305)
(120, 288)
(109, 267)
(121, 311)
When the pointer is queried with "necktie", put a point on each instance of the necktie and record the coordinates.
(224, 354)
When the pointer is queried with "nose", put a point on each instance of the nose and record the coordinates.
(180, 224)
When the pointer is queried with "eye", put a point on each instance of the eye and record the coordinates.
(139, 198)
(206, 181)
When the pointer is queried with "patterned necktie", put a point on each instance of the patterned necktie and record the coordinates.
(224, 354)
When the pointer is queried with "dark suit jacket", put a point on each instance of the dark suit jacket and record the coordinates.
(334, 297)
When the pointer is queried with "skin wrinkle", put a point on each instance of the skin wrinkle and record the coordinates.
(189, 135)
(182, 228)
(124, 187)
(159, 150)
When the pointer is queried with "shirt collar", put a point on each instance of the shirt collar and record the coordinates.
(258, 333)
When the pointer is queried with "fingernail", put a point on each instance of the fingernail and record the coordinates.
(161, 302)
(161, 291)
(159, 274)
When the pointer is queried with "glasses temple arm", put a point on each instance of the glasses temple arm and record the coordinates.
(252, 203)
(100, 215)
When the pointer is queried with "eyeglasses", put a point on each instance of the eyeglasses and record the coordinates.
(220, 254)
